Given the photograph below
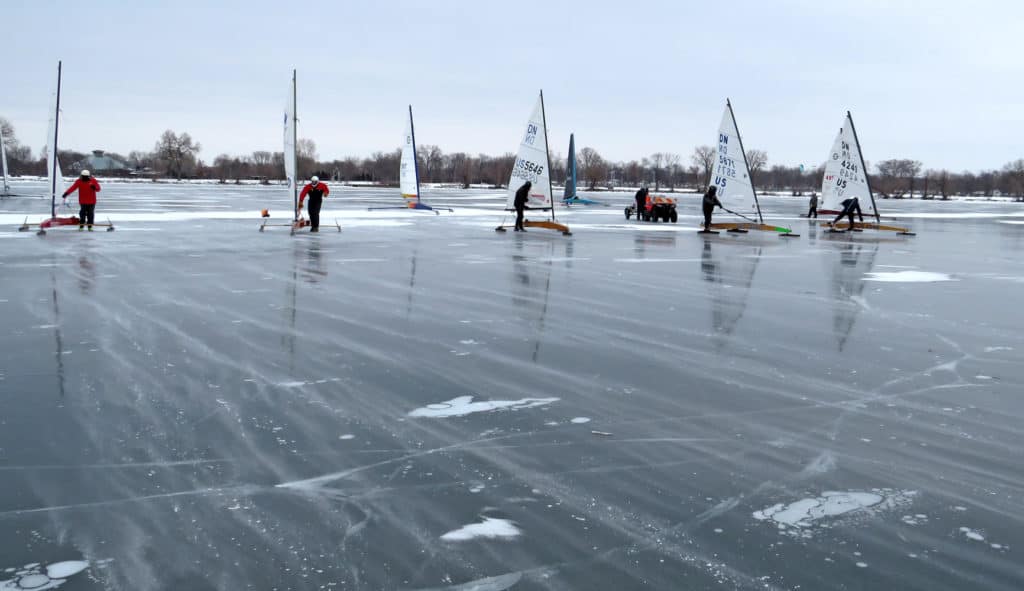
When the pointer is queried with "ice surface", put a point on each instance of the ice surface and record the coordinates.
(174, 395)
(489, 528)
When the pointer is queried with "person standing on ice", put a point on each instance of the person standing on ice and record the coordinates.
(316, 191)
(87, 188)
(708, 204)
(522, 196)
(813, 211)
(850, 206)
(641, 202)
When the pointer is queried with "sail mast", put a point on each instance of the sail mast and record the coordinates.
(863, 167)
(415, 158)
(547, 151)
(295, 145)
(746, 164)
(53, 149)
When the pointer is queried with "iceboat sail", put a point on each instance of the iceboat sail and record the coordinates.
(569, 195)
(6, 189)
(533, 165)
(733, 180)
(55, 178)
(846, 176)
(570, 171)
(290, 140)
(409, 174)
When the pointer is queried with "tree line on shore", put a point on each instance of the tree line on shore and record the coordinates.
(176, 155)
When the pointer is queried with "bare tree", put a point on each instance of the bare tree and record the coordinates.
(177, 153)
(1014, 174)
(704, 159)
(306, 157)
(673, 169)
(592, 167)
(896, 177)
(657, 160)
(10, 141)
(756, 161)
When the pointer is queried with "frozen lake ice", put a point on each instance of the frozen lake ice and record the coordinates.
(419, 402)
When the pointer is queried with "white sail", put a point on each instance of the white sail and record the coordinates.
(52, 162)
(735, 188)
(532, 164)
(289, 140)
(407, 169)
(3, 159)
(845, 176)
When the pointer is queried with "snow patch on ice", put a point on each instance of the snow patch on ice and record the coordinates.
(580, 420)
(489, 528)
(971, 534)
(346, 436)
(464, 405)
(498, 583)
(908, 277)
(799, 517)
(32, 576)
(994, 349)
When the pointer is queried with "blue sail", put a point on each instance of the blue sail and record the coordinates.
(570, 171)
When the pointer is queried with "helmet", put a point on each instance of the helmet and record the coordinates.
(315, 179)
(85, 173)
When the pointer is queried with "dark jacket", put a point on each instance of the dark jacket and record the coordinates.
(87, 188)
(852, 205)
(814, 201)
(522, 196)
(710, 201)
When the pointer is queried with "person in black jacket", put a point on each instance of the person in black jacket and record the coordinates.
(708, 204)
(813, 211)
(850, 206)
(522, 196)
(641, 202)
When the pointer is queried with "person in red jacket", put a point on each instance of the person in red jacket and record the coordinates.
(87, 188)
(316, 191)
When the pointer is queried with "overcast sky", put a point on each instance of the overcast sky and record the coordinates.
(938, 81)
